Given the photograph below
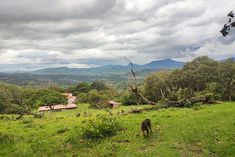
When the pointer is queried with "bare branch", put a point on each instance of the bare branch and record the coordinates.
(134, 87)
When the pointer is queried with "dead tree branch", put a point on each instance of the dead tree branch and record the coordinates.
(133, 86)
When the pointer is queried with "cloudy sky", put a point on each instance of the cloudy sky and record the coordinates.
(77, 33)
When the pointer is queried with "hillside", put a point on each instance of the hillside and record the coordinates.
(199, 131)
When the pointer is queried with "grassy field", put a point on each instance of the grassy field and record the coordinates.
(186, 132)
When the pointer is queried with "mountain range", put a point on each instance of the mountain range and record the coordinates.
(114, 74)
(113, 69)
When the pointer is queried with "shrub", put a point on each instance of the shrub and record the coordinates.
(97, 99)
(100, 127)
(98, 85)
(82, 98)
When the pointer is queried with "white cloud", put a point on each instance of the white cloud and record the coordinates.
(96, 32)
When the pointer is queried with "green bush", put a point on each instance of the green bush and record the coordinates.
(97, 99)
(100, 127)
(98, 85)
(82, 98)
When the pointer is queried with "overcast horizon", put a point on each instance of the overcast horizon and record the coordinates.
(40, 34)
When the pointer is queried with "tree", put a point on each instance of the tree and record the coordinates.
(49, 98)
(14, 99)
(155, 86)
(82, 87)
(5, 100)
(215, 88)
(226, 71)
(56, 88)
(99, 85)
(97, 99)
(195, 74)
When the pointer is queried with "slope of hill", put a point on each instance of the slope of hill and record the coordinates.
(202, 131)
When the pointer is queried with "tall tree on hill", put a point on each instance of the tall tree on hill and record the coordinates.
(226, 71)
(5, 100)
(195, 74)
(156, 86)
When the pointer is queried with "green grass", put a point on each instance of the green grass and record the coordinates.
(202, 131)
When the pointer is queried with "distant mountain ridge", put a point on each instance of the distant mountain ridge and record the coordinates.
(157, 65)
(164, 64)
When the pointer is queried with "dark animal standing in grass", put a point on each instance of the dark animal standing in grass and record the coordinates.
(146, 127)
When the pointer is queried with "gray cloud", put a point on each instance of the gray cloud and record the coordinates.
(100, 32)
(44, 10)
